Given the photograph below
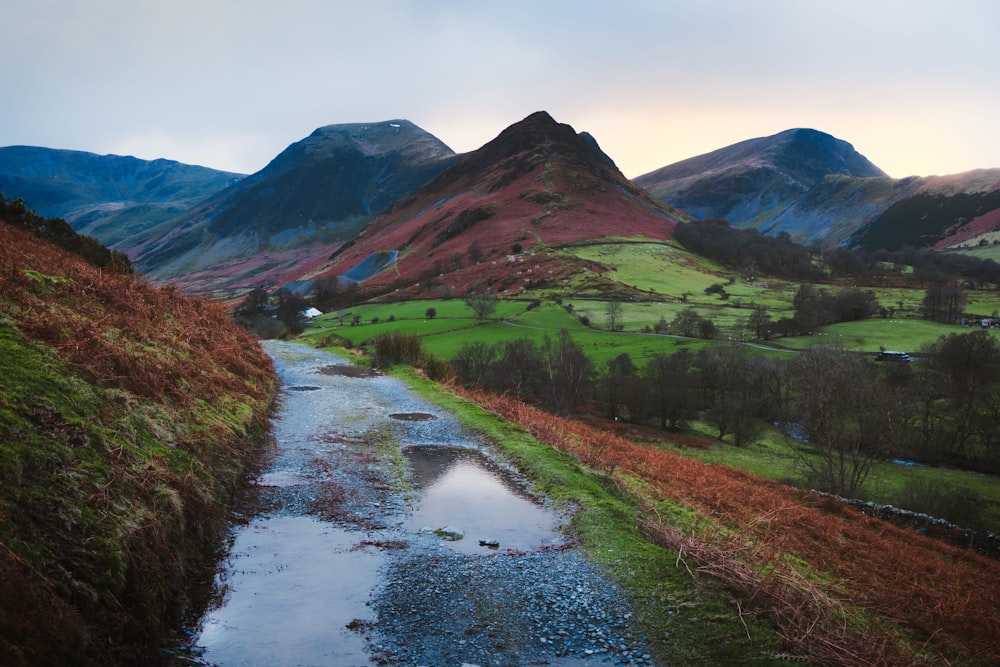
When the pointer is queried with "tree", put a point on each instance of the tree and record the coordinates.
(962, 373)
(483, 304)
(473, 362)
(846, 415)
(289, 307)
(613, 313)
(669, 387)
(730, 393)
(254, 303)
(618, 373)
(328, 294)
(518, 367)
(430, 313)
(944, 302)
(566, 370)
(759, 323)
(685, 323)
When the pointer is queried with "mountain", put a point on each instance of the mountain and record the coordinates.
(817, 188)
(537, 185)
(961, 210)
(317, 193)
(108, 197)
(754, 183)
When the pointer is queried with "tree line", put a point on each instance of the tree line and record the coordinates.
(847, 408)
(751, 253)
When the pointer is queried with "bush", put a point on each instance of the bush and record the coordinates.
(959, 505)
(396, 348)
(436, 369)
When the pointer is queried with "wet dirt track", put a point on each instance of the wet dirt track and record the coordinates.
(341, 560)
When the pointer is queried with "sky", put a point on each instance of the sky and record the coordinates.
(913, 85)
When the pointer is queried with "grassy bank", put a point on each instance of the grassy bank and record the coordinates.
(128, 415)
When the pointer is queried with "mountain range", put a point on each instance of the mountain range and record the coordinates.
(391, 205)
(539, 184)
(319, 192)
(108, 197)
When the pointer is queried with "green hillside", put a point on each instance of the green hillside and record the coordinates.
(128, 416)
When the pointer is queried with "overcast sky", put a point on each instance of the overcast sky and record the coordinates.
(914, 85)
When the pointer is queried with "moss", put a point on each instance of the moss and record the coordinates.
(106, 502)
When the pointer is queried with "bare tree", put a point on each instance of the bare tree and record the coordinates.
(844, 413)
(613, 313)
(567, 371)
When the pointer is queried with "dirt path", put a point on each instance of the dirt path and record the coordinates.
(337, 562)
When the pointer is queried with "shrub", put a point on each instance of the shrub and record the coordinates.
(958, 505)
(395, 348)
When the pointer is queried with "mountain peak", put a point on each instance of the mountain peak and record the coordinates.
(814, 155)
(538, 182)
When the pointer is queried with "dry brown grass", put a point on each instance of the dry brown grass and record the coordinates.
(111, 506)
(840, 587)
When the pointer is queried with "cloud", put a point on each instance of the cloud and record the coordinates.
(230, 83)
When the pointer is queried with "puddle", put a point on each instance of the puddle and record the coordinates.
(413, 416)
(349, 371)
(281, 479)
(461, 488)
(292, 587)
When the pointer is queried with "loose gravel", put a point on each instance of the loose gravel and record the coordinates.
(434, 605)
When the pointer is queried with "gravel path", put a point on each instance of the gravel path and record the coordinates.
(430, 603)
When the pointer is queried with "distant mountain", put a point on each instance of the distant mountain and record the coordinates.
(939, 212)
(489, 219)
(108, 197)
(317, 193)
(817, 188)
(754, 183)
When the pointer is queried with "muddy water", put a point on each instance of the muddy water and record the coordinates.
(338, 508)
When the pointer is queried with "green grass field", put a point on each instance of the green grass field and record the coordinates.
(905, 335)
(665, 279)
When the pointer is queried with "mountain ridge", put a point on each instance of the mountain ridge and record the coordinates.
(539, 183)
(819, 189)
(109, 197)
(316, 193)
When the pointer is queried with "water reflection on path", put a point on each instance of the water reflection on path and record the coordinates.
(291, 587)
(462, 488)
(295, 587)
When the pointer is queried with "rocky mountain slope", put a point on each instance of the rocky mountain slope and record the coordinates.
(754, 183)
(960, 210)
(316, 194)
(108, 197)
(537, 185)
(817, 188)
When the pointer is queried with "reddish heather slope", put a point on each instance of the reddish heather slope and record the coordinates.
(539, 184)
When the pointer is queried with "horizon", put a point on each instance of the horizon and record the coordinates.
(220, 84)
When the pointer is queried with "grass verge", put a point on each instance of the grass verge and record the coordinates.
(688, 620)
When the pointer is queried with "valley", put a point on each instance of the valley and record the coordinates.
(735, 470)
